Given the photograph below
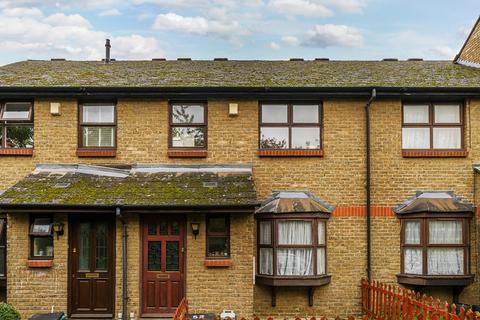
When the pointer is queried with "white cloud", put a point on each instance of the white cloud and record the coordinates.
(274, 46)
(110, 13)
(225, 28)
(443, 52)
(305, 8)
(291, 40)
(68, 36)
(350, 6)
(173, 3)
(328, 35)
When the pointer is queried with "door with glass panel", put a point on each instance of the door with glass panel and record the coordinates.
(163, 264)
(91, 266)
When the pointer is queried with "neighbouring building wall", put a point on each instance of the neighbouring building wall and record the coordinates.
(470, 53)
(338, 178)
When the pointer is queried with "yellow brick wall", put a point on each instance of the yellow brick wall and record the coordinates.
(338, 178)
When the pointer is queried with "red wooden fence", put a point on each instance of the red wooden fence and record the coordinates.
(387, 302)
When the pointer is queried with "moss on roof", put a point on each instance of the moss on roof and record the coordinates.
(165, 188)
(238, 74)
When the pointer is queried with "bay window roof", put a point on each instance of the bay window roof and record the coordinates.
(433, 202)
(294, 202)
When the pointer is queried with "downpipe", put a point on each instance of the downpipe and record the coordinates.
(124, 263)
(368, 184)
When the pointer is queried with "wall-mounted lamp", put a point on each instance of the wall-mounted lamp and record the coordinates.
(58, 228)
(195, 228)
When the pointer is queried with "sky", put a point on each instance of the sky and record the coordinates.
(244, 30)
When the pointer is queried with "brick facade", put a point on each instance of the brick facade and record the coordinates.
(338, 177)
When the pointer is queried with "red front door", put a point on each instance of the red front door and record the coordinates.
(163, 264)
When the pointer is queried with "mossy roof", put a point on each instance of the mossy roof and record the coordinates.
(254, 73)
(173, 188)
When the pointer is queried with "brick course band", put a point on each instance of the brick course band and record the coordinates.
(218, 263)
(290, 153)
(96, 153)
(39, 263)
(187, 154)
(434, 154)
(362, 212)
(16, 152)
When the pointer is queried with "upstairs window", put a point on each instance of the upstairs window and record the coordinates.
(188, 125)
(16, 125)
(432, 126)
(290, 126)
(98, 125)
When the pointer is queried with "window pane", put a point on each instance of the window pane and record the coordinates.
(305, 114)
(163, 228)
(98, 113)
(294, 232)
(294, 262)
(413, 261)
(445, 261)
(447, 138)
(274, 138)
(188, 137)
(305, 138)
(415, 113)
(16, 111)
(217, 225)
(101, 247)
(265, 236)
(188, 113)
(445, 232)
(42, 246)
(152, 229)
(42, 226)
(154, 255)
(175, 228)
(412, 232)
(98, 136)
(321, 261)
(266, 261)
(447, 113)
(20, 137)
(84, 247)
(416, 138)
(172, 256)
(218, 247)
(321, 232)
(274, 113)
(2, 261)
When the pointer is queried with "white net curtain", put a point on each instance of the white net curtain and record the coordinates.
(440, 260)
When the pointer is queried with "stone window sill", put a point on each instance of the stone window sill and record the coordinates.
(39, 263)
(218, 263)
(96, 153)
(176, 153)
(290, 153)
(16, 152)
(434, 153)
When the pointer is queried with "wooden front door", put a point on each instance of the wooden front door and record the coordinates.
(91, 266)
(163, 264)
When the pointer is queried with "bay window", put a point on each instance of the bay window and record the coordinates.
(16, 125)
(432, 126)
(98, 127)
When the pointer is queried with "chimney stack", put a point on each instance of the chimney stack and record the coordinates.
(107, 51)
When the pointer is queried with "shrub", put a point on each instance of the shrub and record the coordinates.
(7, 312)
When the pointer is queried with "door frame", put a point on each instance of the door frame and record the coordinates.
(141, 229)
(72, 219)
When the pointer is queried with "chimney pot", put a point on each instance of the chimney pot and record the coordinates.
(107, 50)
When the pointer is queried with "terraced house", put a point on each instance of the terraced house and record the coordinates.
(262, 187)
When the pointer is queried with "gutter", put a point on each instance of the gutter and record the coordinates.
(299, 93)
(368, 184)
(113, 207)
(124, 263)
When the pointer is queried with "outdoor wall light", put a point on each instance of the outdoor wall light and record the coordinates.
(58, 228)
(195, 228)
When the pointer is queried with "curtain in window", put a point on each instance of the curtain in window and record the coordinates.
(412, 232)
(265, 236)
(445, 232)
(445, 261)
(447, 138)
(321, 261)
(415, 114)
(294, 232)
(321, 232)
(447, 114)
(294, 262)
(416, 138)
(266, 261)
(413, 261)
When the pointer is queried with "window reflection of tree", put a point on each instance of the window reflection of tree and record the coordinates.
(272, 143)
